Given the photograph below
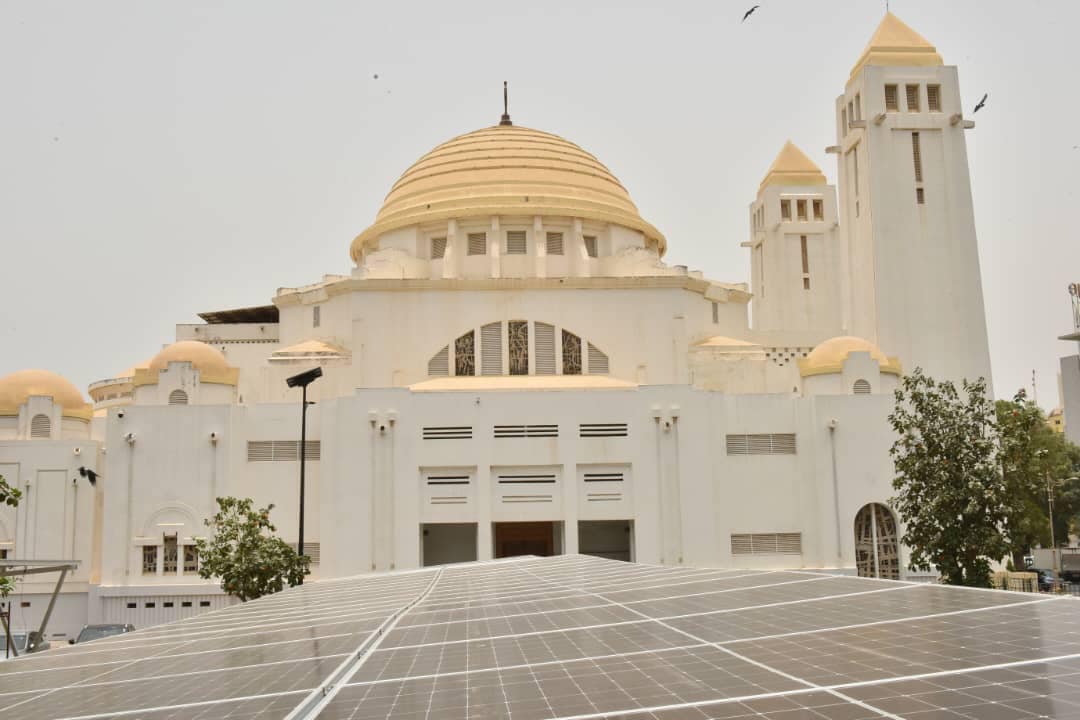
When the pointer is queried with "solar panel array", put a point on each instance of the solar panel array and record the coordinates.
(580, 637)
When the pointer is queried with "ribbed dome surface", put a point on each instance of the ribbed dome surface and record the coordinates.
(510, 171)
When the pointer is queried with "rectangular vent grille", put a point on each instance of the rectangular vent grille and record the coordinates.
(446, 486)
(545, 349)
(603, 477)
(554, 243)
(448, 432)
(515, 242)
(281, 450)
(440, 363)
(438, 248)
(477, 244)
(761, 444)
(526, 431)
(311, 549)
(598, 361)
(766, 544)
(603, 430)
(536, 496)
(491, 349)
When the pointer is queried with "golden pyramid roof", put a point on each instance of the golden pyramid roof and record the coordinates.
(793, 167)
(895, 43)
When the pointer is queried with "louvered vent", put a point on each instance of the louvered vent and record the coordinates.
(178, 397)
(40, 426)
(554, 243)
(912, 98)
(515, 242)
(545, 348)
(491, 349)
(438, 248)
(603, 492)
(448, 432)
(598, 361)
(526, 431)
(529, 493)
(766, 544)
(603, 477)
(477, 244)
(281, 450)
(761, 444)
(449, 489)
(916, 156)
(440, 363)
(602, 430)
(311, 549)
(862, 387)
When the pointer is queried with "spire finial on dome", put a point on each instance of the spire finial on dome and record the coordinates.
(505, 120)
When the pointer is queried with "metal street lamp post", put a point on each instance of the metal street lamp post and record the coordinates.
(302, 380)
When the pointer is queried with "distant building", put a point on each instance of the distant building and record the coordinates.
(512, 367)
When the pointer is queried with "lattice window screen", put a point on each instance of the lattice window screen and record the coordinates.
(892, 102)
(465, 354)
(912, 98)
(518, 336)
(571, 353)
(933, 98)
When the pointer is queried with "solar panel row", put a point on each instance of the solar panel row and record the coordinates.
(580, 637)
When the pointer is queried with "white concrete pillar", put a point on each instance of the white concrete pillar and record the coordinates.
(495, 248)
(540, 243)
(454, 252)
(579, 257)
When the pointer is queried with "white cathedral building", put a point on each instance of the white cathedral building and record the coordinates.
(513, 367)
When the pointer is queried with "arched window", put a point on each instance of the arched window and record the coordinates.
(40, 426)
(861, 387)
(518, 347)
(877, 545)
(178, 397)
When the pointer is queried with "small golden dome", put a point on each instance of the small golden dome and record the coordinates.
(896, 44)
(203, 357)
(506, 170)
(793, 167)
(829, 356)
(19, 386)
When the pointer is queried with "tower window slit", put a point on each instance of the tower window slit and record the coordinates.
(912, 98)
(819, 210)
(800, 208)
(892, 103)
(916, 156)
(805, 263)
(933, 98)
(785, 209)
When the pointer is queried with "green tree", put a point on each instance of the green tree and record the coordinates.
(8, 496)
(246, 554)
(1030, 454)
(951, 495)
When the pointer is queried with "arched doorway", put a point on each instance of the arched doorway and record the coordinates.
(877, 547)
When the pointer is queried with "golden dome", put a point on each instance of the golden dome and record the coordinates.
(17, 387)
(208, 360)
(829, 356)
(896, 44)
(506, 170)
(793, 167)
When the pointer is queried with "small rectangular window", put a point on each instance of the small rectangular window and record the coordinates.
(805, 262)
(191, 559)
(819, 210)
(933, 98)
(590, 245)
(916, 155)
(800, 207)
(843, 122)
(912, 98)
(149, 559)
(785, 209)
(892, 103)
(920, 196)
(185, 603)
(24, 604)
(316, 315)
(716, 313)
(851, 112)
(166, 604)
(438, 248)
(554, 243)
(477, 244)
(858, 106)
(132, 606)
(515, 242)
(149, 605)
(204, 603)
(170, 555)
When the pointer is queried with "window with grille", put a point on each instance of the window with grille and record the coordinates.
(477, 244)
(716, 313)
(149, 559)
(439, 364)
(800, 208)
(169, 556)
(805, 262)
(545, 348)
(191, 559)
(40, 426)
(316, 316)
(518, 339)
(933, 98)
(465, 354)
(819, 210)
(761, 444)
(892, 103)
(766, 543)
(598, 361)
(515, 242)
(916, 156)
(785, 209)
(438, 248)
(178, 397)
(590, 246)
(554, 243)
(920, 196)
(491, 349)
(281, 450)
(571, 353)
(861, 387)
(912, 92)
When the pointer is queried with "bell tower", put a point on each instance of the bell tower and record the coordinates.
(906, 215)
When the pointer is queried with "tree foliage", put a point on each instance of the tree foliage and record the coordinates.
(246, 554)
(951, 495)
(8, 495)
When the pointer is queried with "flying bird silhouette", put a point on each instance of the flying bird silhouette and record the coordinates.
(981, 103)
(749, 13)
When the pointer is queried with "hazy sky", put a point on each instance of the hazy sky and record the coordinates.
(160, 159)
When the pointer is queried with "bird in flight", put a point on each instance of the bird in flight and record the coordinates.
(749, 13)
(981, 103)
